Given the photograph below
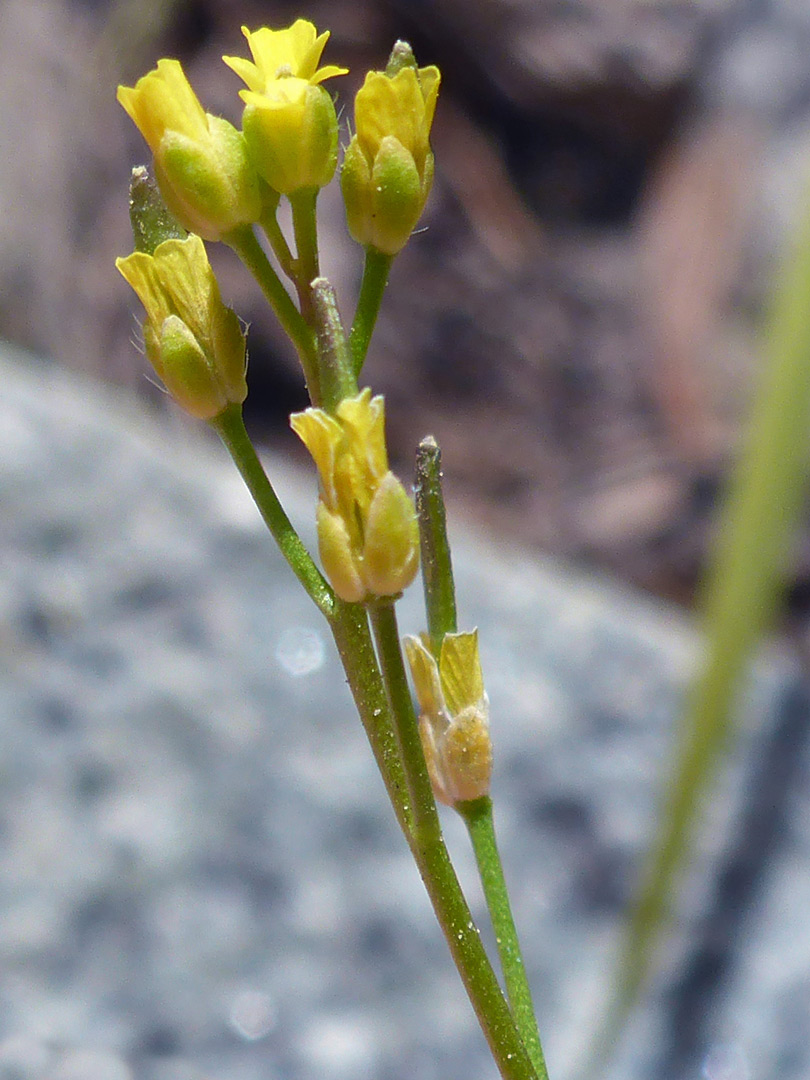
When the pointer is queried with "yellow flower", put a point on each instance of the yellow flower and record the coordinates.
(201, 161)
(289, 120)
(454, 720)
(194, 342)
(388, 166)
(367, 532)
(294, 52)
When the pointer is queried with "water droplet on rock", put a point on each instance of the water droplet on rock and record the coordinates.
(300, 651)
(252, 1014)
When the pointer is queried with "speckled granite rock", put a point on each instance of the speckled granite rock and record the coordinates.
(199, 875)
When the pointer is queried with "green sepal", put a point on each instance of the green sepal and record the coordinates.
(210, 187)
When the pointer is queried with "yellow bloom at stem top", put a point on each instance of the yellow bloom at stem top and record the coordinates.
(388, 166)
(194, 342)
(454, 720)
(367, 532)
(201, 161)
(289, 121)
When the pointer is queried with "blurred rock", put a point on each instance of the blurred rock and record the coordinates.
(200, 876)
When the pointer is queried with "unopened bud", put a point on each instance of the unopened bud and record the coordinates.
(194, 342)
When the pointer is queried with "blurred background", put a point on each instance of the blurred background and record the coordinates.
(196, 865)
(577, 323)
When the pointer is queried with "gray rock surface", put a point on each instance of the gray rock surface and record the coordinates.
(199, 875)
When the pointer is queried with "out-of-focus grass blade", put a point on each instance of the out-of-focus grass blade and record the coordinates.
(740, 598)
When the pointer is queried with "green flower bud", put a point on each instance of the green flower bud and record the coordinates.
(388, 167)
(194, 342)
(201, 161)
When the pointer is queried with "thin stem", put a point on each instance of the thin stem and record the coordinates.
(243, 241)
(278, 242)
(478, 818)
(440, 604)
(353, 639)
(469, 956)
(386, 635)
(375, 277)
(428, 847)
(337, 376)
(231, 429)
(305, 227)
(437, 567)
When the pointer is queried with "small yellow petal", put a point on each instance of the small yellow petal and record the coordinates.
(460, 669)
(425, 674)
(322, 435)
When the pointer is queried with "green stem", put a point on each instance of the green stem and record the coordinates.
(243, 241)
(337, 376)
(386, 635)
(428, 847)
(305, 227)
(231, 429)
(478, 818)
(437, 567)
(353, 639)
(387, 715)
(375, 277)
(469, 956)
(278, 242)
(440, 604)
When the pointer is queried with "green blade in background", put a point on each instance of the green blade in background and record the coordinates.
(739, 603)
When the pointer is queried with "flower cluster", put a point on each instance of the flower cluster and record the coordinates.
(209, 173)
(218, 182)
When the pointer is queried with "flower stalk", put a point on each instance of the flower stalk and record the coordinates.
(376, 268)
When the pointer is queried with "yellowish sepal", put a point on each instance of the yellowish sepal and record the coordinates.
(340, 563)
(466, 756)
(391, 549)
(291, 135)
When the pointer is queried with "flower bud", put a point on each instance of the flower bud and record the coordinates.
(194, 342)
(388, 166)
(454, 720)
(201, 161)
(289, 122)
(367, 532)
